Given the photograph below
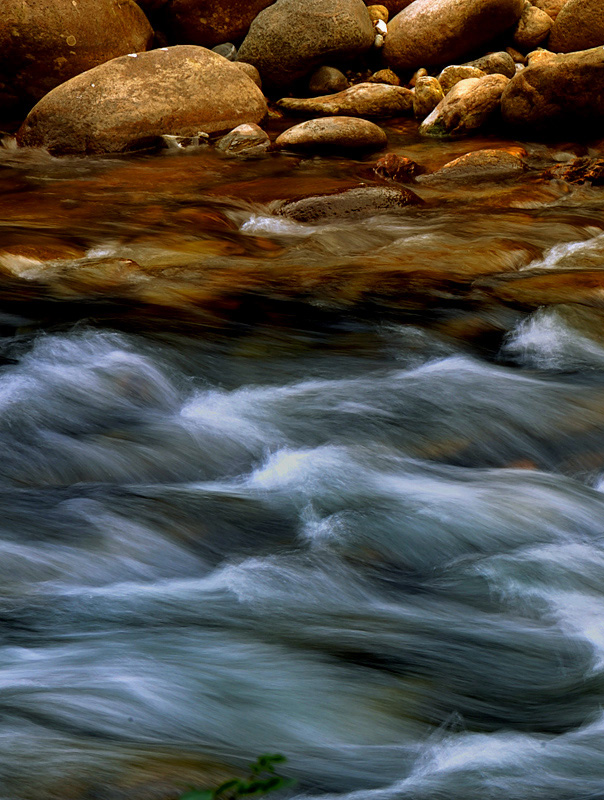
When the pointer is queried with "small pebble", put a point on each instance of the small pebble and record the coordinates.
(378, 12)
(227, 50)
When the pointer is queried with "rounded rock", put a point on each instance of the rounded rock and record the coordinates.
(428, 94)
(378, 12)
(249, 70)
(455, 73)
(551, 7)
(533, 27)
(500, 63)
(361, 100)
(226, 50)
(363, 201)
(578, 26)
(327, 80)
(333, 133)
(466, 108)
(208, 23)
(244, 141)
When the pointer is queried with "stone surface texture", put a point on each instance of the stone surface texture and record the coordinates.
(350, 203)
(428, 94)
(478, 166)
(466, 108)
(533, 27)
(128, 102)
(327, 80)
(455, 73)
(334, 133)
(500, 63)
(208, 23)
(244, 141)
(578, 26)
(362, 100)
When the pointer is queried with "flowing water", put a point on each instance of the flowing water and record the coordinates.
(332, 491)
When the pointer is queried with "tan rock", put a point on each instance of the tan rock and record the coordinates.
(44, 44)
(466, 108)
(578, 26)
(327, 80)
(563, 89)
(428, 94)
(129, 102)
(249, 70)
(354, 203)
(516, 55)
(362, 100)
(419, 73)
(551, 7)
(207, 23)
(393, 6)
(385, 76)
(453, 74)
(577, 286)
(290, 38)
(478, 166)
(333, 133)
(533, 27)
(440, 31)
(500, 63)
(539, 55)
(378, 12)
(244, 141)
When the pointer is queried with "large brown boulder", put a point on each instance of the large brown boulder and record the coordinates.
(131, 101)
(208, 23)
(289, 39)
(441, 31)
(43, 44)
(578, 26)
(565, 88)
(467, 107)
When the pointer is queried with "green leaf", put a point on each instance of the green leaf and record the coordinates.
(198, 794)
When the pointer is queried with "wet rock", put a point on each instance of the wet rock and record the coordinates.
(579, 170)
(130, 102)
(440, 31)
(455, 73)
(249, 70)
(362, 100)
(478, 166)
(578, 26)
(226, 50)
(363, 201)
(551, 7)
(44, 44)
(567, 88)
(466, 108)
(207, 23)
(244, 141)
(529, 291)
(533, 27)
(385, 76)
(397, 168)
(539, 55)
(500, 63)
(288, 39)
(378, 12)
(333, 134)
(328, 80)
(428, 94)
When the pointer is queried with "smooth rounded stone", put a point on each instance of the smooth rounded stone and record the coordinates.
(362, 201)
(422, 72)
(289, 39)
(564, 89)
(362, 100)
(226, 50)
(397, 168)
(129, 102)
(516, 56)
(539, 55)
(578, 26)
(466, 108)
(500, 63)
(378, 12)
(208, 23)
(249, 70)
(428, 94)
(478, 166)
(244, 141)
(551, 7)
(385, 76)
(328, 80)
(333, 133)
(450, 76)
(440, 31)
(44, 44)
(533, 27)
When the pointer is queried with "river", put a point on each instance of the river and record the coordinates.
(333, 491)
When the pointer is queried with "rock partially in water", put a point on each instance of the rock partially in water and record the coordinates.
(580, 170)
(44, 44)
(500, 63)
(478, 166)
(290, 38)
(207, 23)
(466, 108)
(362, 100)
(334, 134)
(452, 75)
(397, 168)
(530, 291)
(362, 201)
(566, 89)
(327, 80)
(440, 31)
(129, 102)
(533, 27)
(428, 94)
(579, 26)
(244, 141)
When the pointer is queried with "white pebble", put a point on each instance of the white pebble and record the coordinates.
(379, 40)
(381, 27)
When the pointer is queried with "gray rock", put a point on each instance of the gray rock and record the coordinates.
(362, 100)
(578, 26)
(500, 63)
(289, 39)
(327, 80)
(226, 50)
(334, 133)
(466, 108)
(362, 201)
(244, 141)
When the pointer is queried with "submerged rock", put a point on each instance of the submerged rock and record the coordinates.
(362, 201)
(244, 141)
(440, 31)
(334, 133)
(580, 170)
(578, 26)
(291, 37)
(397, 168)
(130, 102)
(478, 166)
(362, 100)
(466, 108)
(44, 44)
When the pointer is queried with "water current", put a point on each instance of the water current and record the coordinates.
(331, 491)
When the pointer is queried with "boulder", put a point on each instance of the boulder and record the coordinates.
(327, 80)
(244, 141)
(533, 27)
(428, 94)
(289, 39)
(362, 201)
(500, 63)
(466, 108)
(440, 31)
(477, 167)
(578, 26)
(131, 101)
(557, 89)
(44, 44)
(455, 73)
(208, 23)
(333, 134)
(362, 100)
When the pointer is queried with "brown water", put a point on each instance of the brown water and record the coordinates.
(333, 491)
